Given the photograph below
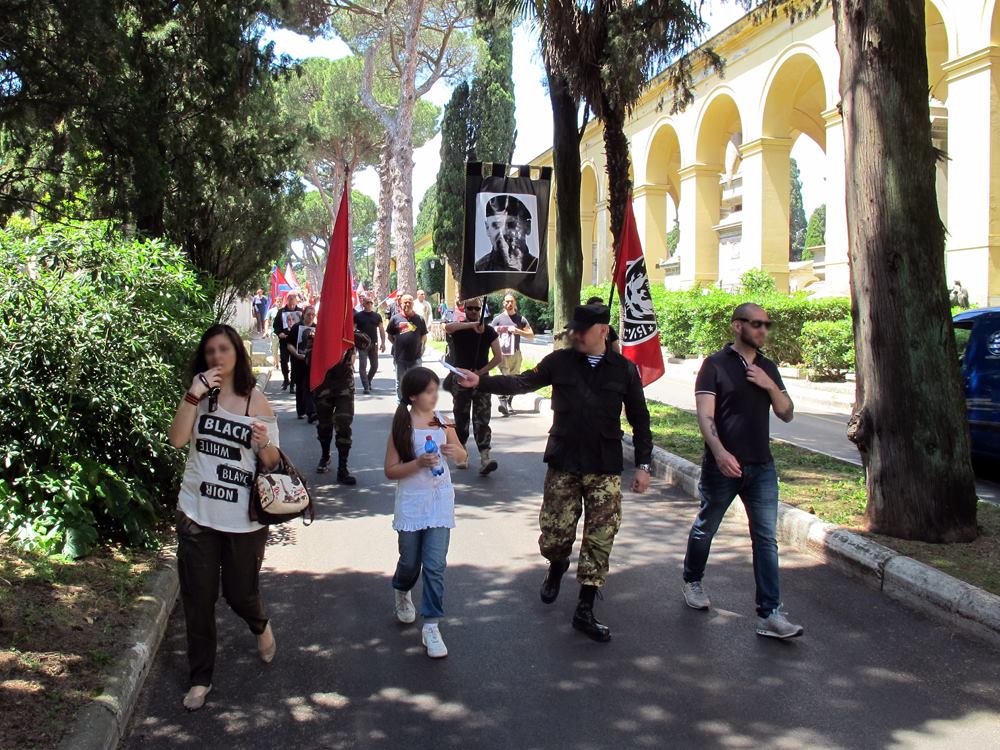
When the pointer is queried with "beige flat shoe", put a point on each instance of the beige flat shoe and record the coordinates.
(266, 645)
(195, 697)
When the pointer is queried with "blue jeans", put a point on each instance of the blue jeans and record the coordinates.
(427, 549)
(758, 488)
(402, 366)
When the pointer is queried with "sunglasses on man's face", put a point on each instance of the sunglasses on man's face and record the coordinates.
(472, 309)
(766, 324)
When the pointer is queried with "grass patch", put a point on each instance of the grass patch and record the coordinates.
(61, 622)
(834, 491)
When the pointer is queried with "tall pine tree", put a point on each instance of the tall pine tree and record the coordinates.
(796, 215)
(478, 125)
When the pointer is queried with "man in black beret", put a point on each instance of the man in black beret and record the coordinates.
(590, 385)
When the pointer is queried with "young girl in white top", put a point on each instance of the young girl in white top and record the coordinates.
(425, 501)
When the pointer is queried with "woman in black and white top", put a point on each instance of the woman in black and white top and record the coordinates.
(227, 432)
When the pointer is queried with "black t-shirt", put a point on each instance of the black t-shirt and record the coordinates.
(471, 350)
(742, 409)
(408, 333)
(368, 323)
(509, 342)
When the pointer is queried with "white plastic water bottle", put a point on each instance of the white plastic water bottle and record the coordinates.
(431, 447)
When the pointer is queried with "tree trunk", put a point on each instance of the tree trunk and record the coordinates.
(909, 421)
(383, 225)
(566, 160)
(402, 160)
(616, 150)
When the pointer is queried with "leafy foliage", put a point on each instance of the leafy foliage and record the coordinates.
(154, 115)
(697, 321)
(97, 332)
(796, 215)
(478, 125)
(828, 348)
(816, 232)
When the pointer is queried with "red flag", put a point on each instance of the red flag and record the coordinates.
(639, 335)
(293, 280)
(335, 321)
(279, 285)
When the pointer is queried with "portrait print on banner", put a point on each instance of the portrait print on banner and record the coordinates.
(506, 220)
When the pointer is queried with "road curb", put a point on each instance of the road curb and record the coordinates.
(920, 586)
(101, 724)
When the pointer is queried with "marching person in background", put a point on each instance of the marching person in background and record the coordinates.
(735, 391)
(334, 399)
(511, 326)
(272, 315)
(287, 317)
(474, 346)
(590, 385)
(423, 308)
(258, 306)
(227, 434)
(299, 342)
(613, 341)
(369, 323)
(425, 501)
(408, 333)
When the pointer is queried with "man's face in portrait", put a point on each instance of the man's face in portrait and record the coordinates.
(508, 237)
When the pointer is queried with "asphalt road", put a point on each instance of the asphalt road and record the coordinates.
(816, 427)
(868, 673)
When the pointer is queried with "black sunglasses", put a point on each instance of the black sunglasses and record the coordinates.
(473, 309)
(757, 323)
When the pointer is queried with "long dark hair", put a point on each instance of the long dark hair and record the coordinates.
(414, 383)
(243, 378)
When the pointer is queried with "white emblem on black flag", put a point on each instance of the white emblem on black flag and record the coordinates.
(506, 221)
(639, 318)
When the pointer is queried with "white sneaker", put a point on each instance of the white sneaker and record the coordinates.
(776, 625)
(433, 642)
(695, 596)
(405, 611)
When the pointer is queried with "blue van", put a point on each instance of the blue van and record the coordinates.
(977, 333)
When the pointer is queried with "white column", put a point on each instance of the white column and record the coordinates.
(838, 274)
(973, 222)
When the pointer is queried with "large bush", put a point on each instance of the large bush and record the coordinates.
(96, 334)
(697, 321)
(828, 349)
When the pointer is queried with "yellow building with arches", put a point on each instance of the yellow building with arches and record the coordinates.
(721, 167)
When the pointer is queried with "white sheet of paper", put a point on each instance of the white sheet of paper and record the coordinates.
(449, 366)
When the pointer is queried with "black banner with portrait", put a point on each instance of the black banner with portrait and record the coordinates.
(506, 223)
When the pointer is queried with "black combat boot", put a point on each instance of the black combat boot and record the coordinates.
(550, 586)
(343, 475)
(584, 620)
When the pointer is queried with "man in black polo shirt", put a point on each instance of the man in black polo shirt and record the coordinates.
(591, 384)
(734, 393)
(474, 346)
(407, 331)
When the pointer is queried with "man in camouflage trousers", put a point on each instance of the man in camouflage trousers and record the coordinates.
(590, 385)
(335, 411)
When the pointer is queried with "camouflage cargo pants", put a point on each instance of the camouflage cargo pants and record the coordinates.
(479, 403)
(334, 412)
(599, 498)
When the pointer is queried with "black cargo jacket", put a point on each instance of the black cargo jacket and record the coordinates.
(587, 406)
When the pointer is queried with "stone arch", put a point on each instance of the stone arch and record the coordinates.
(940, 49)
(719, 124)
(589, 197)
(657, 201)
(992, 17)
(795, 97)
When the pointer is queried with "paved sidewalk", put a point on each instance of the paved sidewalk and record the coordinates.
(868, 673)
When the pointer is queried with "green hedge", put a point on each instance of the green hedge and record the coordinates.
(697, 321)
(97, 333)
(828, 348)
